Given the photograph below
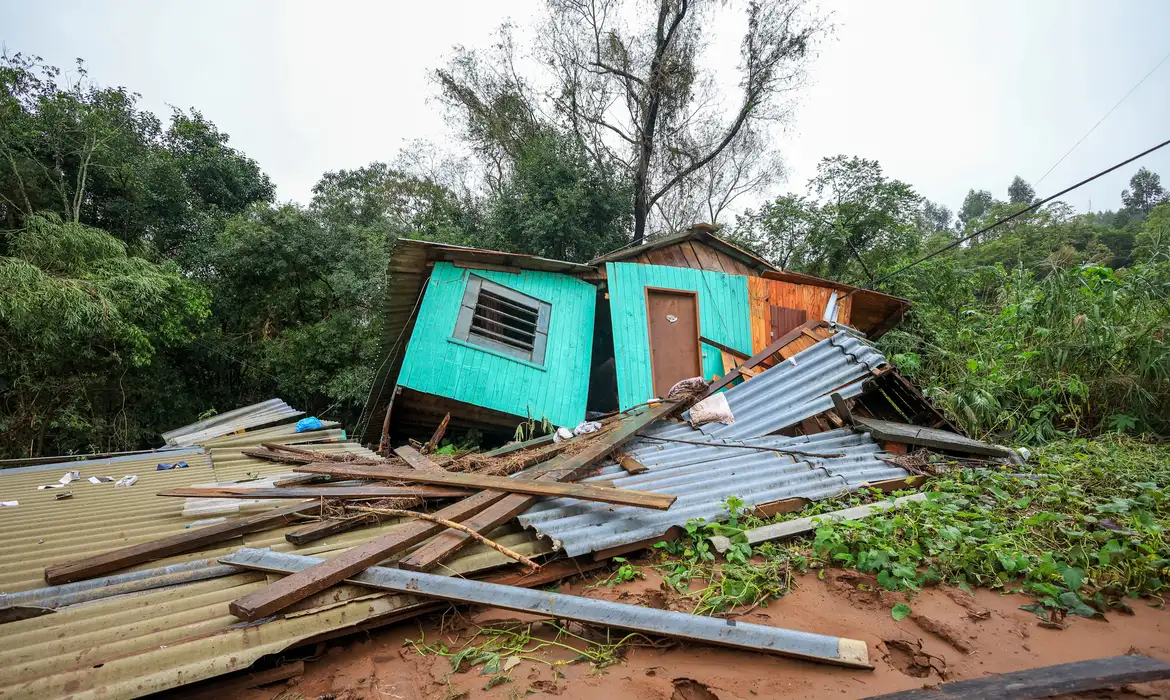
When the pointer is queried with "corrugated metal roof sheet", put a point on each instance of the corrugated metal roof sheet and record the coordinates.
(269, 411)
(705, 476)
(704, 480)
(166, 623)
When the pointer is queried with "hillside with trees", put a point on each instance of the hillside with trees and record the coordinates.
(148, 277)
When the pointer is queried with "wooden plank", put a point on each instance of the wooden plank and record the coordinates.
(185, 541)
(301, 585)
(632, 466)
(585, 492)
(508, 449)
(324, 528)
(318, 492)
(842, 408)
(384, 440)
(570, 467)
(1046, 681)
(416, 460)
(929, 437)
(302, 480)
(433, 443)
(760, 356)
(724, 348)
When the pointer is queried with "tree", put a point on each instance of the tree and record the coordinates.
(934, 217)
(555, 205)
(853, 221)
(975, 205)
(1020, 192)
(632, 89)
(82, 322)
(1144, 193)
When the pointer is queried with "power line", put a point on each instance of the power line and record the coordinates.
(1006, 219)
(1090, 131)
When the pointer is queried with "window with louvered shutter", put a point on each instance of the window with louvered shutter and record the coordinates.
(504, 320)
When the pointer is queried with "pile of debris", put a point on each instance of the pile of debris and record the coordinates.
(805, 424)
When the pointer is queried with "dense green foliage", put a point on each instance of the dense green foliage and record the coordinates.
(1082, 530)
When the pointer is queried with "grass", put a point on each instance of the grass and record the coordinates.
(1082, 529)
(497, 649)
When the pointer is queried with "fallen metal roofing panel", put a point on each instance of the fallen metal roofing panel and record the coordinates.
(741, 459)
(269, 411)
(164, 624)
(704, 480)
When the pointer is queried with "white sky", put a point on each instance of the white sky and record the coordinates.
(946, 95)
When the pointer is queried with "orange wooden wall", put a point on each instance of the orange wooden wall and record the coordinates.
(764, 294)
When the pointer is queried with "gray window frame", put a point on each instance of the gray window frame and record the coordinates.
(466, 332)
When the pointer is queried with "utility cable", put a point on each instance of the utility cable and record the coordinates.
(1006, 219)
(1090, 131)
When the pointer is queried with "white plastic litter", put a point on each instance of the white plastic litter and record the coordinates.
(562, 434)
(588, 426)
(128, 480)
(712, 409)
(70, 477)
(9, 504)
(50, 486)
(100, 479)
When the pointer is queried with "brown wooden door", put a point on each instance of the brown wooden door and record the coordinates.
(785, 320)
(673, 319)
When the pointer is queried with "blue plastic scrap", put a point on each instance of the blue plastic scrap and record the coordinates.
(177, 465)
(310, 423)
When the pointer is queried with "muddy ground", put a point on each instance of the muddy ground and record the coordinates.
(950, 636)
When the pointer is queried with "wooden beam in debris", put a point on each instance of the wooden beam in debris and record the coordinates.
(585, 492)
(720, 346)
(762, 355)
(433, 443)
(631, 465)
(851, 653)
(279, 595)
(929, 437)
(1046, 681)
(185, 541)
(325, 528)
(318, 492)
(563, 468)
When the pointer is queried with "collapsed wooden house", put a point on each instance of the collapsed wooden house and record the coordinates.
(495, 338)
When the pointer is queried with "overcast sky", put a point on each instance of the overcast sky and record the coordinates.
(946, 95)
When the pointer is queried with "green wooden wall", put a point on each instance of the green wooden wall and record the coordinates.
(437, 364)
(724, 316)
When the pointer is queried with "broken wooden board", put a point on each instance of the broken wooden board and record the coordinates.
(851, 653)
(185, 541)
(585, 492)
(318, 492)
(1046, 681)
(929, 437)
(631, 465)
(448, 543)
(433, 443)
(325, 528)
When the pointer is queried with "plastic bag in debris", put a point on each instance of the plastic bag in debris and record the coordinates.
(711, 410)
(587, 426)
(167, 467)
(128, 480)
(310, 423)
(687, 388)
(562, 434)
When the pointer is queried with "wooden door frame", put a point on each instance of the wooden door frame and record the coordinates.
(650, 338)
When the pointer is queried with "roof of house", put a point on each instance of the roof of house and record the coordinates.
(700, 233)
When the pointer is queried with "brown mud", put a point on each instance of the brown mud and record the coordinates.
(950, 636)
